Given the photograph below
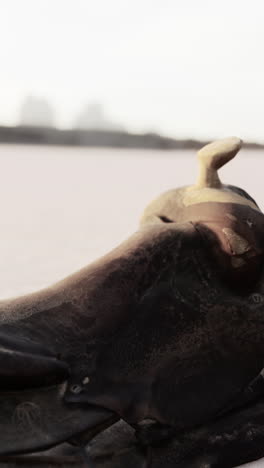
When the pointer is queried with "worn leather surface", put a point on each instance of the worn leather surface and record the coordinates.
(152, 330)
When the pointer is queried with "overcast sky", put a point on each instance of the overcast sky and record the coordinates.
(182, 67)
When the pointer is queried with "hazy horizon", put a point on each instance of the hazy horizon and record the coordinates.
(183, 69)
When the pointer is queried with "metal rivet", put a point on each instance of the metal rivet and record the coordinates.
(257, 298)
(86, 380)
(249, 223)
(76, 389)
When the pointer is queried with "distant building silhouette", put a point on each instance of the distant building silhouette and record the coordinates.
(93, 117)
(36, 112)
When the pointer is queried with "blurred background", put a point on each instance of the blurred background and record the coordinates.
(103, 105)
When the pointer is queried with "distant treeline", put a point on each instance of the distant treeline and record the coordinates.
(99, 138)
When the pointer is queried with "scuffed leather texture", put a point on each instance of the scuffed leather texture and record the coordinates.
(149, 331)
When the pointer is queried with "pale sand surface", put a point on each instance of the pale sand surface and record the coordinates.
(63, 207)
(257, 464)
